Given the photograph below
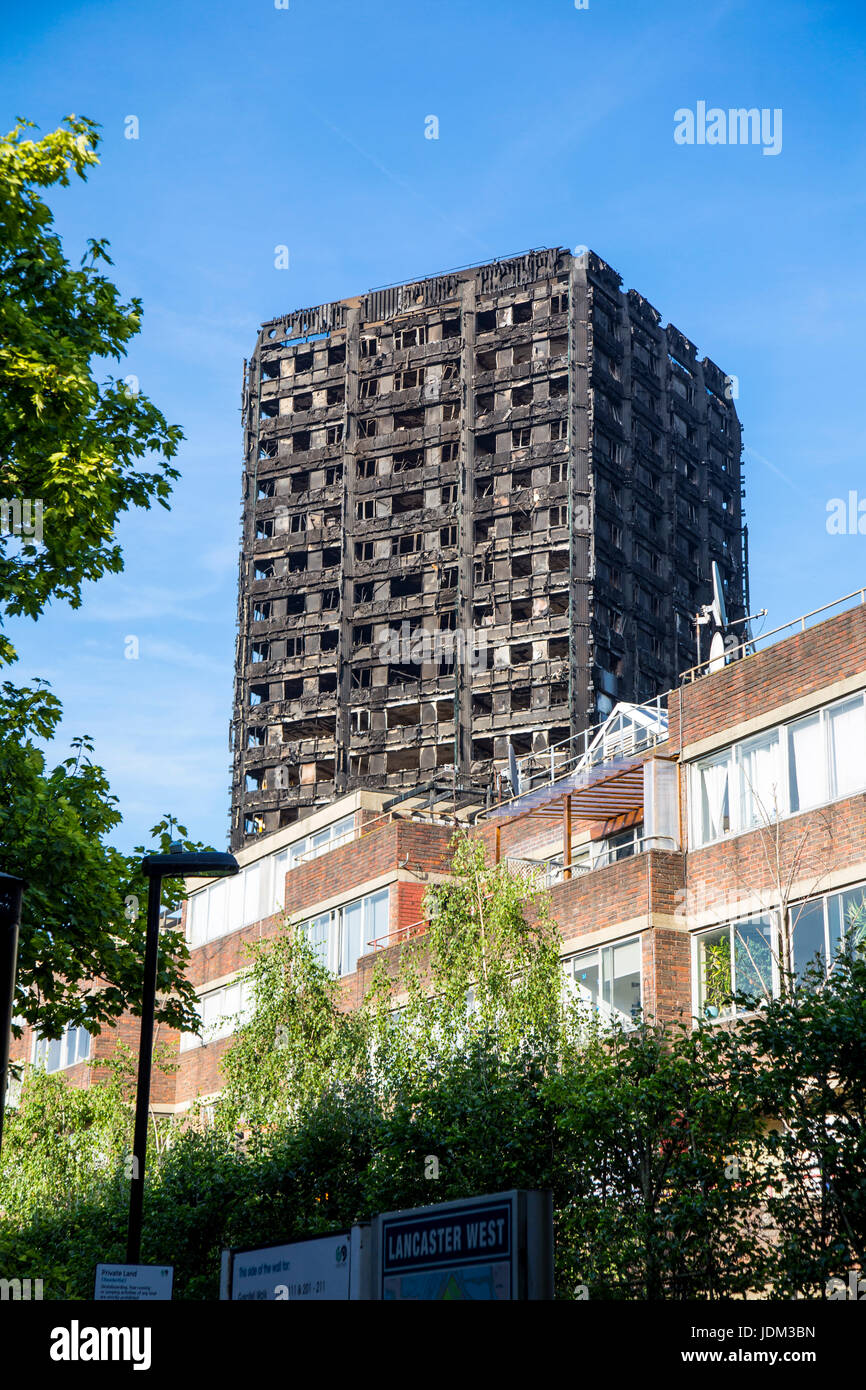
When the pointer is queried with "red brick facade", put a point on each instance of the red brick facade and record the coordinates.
(662, 896)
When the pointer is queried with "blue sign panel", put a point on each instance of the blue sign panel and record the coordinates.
(461, 1250)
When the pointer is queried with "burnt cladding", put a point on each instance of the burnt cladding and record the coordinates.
(476, 508)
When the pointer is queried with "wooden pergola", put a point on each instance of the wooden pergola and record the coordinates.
(598, 794)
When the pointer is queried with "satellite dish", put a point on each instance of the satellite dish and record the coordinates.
(513, 771)
(720, 612)
(717, 653)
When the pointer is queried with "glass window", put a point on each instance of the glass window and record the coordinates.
(217, 906)
(622, 983)
(809, 936)
(378, 924)
(276, 888)
(788, 769)
(353, 944)
(54, 1054)
(713, 797)
(221, 1011)
(609, 980)
(586, 973)
(318, 932)
(234, 917)
(846, 919)
(807, 765)
(252, 882)
(760, 789)
(196, 910)
(753, 958)
(319, 842)
(715, 984)
(733, 959)
(847, 746)
(297, 852)
(343, 830)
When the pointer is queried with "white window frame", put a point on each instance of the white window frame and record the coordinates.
(607, 1012)
(734, 753)
(334, 956)
(41, 1048)
(229, 1019)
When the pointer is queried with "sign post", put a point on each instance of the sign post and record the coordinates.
(11, 891)
(330, 1268)
(141, 1283)
(494, 1248)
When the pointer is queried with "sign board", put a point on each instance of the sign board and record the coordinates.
(322, 1267)
(122, 1282)
(494, 1248)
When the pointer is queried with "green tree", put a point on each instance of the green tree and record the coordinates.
(75, 453)
(76, 447)
(81, 950)
(812, 1086)
(467, 1073)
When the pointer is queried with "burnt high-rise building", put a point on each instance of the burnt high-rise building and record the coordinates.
(479, 508)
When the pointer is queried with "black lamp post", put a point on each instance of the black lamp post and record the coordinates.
(156, 867)
(11, 891)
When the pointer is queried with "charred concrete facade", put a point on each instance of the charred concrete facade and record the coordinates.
(515, 470)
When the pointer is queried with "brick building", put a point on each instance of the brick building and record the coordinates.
(517, 458)
(656, 834)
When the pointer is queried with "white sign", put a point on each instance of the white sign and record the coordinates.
(321, 1268)
(122, 1282)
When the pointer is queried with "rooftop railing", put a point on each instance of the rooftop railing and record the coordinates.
(750, 647)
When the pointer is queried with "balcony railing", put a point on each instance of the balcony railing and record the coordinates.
(392, 938)
(628, 730)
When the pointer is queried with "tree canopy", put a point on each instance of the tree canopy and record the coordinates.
(77, 449)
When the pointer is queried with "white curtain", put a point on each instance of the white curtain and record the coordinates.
(759, 780)
(848, 746)
(808, 771)
(251, 876)
(353, 946)
(714, 799)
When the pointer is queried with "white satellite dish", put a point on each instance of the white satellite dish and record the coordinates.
(717, 652)
(513, 771)
(720, 612)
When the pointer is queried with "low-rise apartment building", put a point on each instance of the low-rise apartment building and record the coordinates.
(672, 839)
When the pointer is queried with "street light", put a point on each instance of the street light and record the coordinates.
(156, 867)
(11, 891)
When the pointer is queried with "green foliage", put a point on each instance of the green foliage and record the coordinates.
(471, 1075)
(77, 445)
(79, 449)
(717, 976)
(81, 950)
(812, 1084)
(298, 1045)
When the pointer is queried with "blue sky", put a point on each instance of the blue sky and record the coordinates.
(304, 127)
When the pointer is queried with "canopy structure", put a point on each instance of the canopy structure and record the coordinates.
(599, 793)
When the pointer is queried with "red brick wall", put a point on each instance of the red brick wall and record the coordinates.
(229, 953)
(103, 1046)
(199, 1073)
(646, 883)
(666, 969)
(809, 847)
(352, 866)
(793, 667)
